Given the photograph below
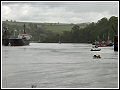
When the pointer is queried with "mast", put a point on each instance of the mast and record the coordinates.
(103, 37)
(59, 39)
(108, 36)
(24, 29)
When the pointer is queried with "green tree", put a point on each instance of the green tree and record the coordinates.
(75, 33)
(113, 21)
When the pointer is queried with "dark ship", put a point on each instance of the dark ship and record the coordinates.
(22, 39)
(5, 36)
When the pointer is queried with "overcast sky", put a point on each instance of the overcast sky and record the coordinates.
(63, 12)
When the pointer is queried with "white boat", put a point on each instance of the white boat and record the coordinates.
(95, 48)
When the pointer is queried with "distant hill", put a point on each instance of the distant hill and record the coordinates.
(39, 30)
(54, 27)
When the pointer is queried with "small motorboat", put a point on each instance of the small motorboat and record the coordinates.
(96, 56)
(95, 48)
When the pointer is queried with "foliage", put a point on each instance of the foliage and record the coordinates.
(69, 33)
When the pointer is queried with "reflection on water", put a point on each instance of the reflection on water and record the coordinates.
(53, 65)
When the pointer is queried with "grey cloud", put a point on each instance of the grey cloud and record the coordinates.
(70, 12)
(92, 7)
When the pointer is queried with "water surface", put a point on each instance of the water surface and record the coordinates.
(53, 65)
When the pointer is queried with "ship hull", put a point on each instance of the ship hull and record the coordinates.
(5, 42)
(115, 43)
(18, 42)
(95, 49)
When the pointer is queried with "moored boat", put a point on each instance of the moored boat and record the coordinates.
(95, 48)
(103, 43)
(21, 40)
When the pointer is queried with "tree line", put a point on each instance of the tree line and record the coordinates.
(101, 30)
(93, 31)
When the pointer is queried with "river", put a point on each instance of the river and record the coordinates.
(53, 65)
